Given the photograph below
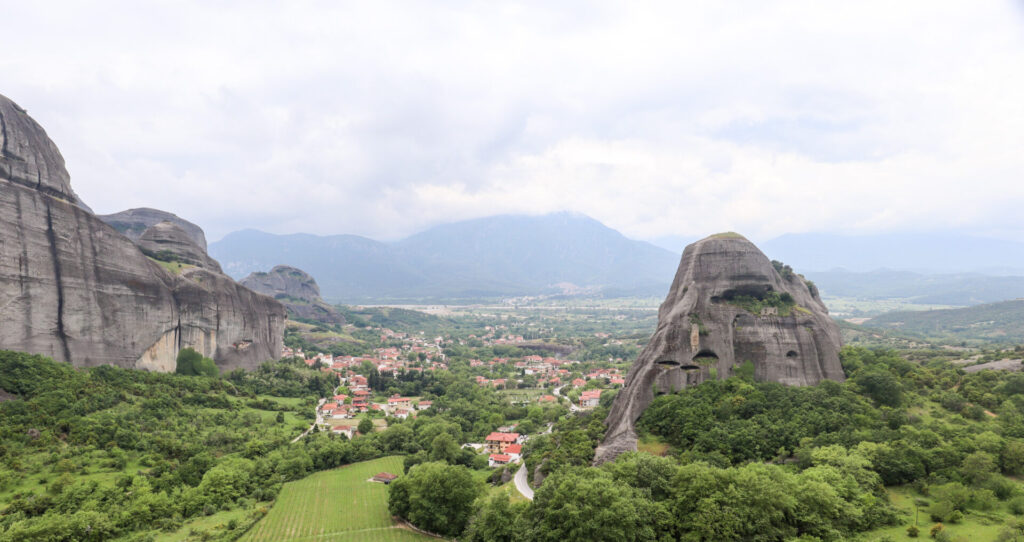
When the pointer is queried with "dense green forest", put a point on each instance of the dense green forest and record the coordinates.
(907, 442)
(105, 453)
(762, 461)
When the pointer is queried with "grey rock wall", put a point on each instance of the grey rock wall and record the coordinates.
(703, 331)
(73, 288)
(134, 222)
(168, 238)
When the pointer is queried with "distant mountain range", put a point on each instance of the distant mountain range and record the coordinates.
(563, 252)
(473, 259)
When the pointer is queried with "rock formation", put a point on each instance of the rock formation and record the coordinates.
(73, 288)
(134, 222)
(28, 158)
(728, 305)
(168, 241)
(297, 290)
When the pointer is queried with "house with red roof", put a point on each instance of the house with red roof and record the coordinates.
(498, 460)
(514, 451)
(499, 442)
(590, 398)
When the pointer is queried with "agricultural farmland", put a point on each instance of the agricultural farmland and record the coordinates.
(339, 504)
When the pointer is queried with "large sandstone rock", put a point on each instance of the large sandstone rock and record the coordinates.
(134, 222)
(170, 242)
(706, 327)
(28, 157)
(73, 288)
(297, 290)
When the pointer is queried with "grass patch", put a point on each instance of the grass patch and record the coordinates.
(727, 235)
(339, 504)
(173, 267)
(975, 526)
(652, 444)
(216, 525)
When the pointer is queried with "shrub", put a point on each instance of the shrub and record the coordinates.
(1017, 505)
(936, 529)
(193, 363)
(941, 511)
(913, 531)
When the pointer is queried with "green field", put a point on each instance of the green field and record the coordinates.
(975, 527)
(339, 504)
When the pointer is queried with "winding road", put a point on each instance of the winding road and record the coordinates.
(318, 421)
(521, 484)
(572, 408)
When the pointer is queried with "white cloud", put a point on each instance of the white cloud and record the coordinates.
(658, 119)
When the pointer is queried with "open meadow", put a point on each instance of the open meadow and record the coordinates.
(339, 504)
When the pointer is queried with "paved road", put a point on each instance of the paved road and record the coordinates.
(572, 407)
(521, 484)
(318, 421)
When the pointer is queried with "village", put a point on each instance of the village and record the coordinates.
(529, 379)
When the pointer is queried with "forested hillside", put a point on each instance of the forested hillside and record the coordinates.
(105, 452)
(1000, 323)
(903, 449)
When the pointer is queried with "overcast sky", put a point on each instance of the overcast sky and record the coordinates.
(661, 119)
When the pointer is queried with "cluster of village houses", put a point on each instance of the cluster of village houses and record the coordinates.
(503, 446)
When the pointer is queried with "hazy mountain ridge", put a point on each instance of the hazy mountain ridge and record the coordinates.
(495, 256)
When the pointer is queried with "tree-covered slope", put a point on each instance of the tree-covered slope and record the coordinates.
(993, 322)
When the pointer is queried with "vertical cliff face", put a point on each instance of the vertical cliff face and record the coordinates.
(728, 306)
(73, 288)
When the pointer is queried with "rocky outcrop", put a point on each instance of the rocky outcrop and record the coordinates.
(134, 222)
(28, 158)
(168, 241)
(297, 290)
(728, 305)
(73, 288)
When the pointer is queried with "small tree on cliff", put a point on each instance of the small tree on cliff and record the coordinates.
(193, 363)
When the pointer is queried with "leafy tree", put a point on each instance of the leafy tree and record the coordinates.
(495, 521)
(881, 386)
(436, 497)
(588, 504)
(978, 467)
(191, 362)
(444, 448)
(365, 425)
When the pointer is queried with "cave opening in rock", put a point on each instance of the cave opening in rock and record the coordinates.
(791, 354)
(705, 357)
